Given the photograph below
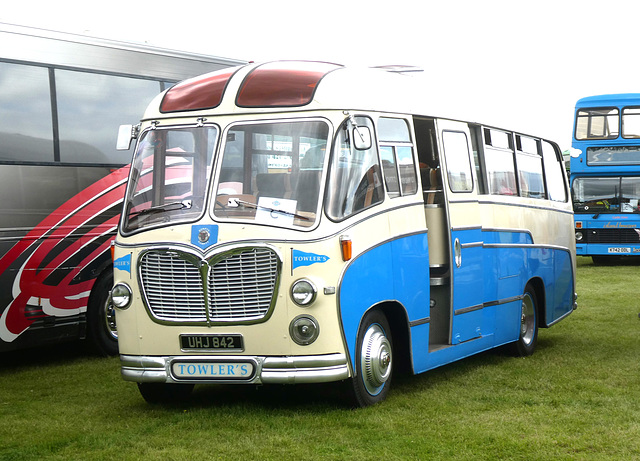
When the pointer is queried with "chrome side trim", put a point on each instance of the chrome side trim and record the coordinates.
(272, 370)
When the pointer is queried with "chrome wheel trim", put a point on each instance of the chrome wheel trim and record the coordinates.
(527, 320)
(110, 319)
(375, 359)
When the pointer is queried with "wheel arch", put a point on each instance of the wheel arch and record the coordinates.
(396, 315)
(539, 290)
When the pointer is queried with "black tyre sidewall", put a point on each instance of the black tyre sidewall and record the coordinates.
(98, 334)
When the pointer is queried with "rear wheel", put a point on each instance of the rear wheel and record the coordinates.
(526, 343)
(101, 317)
(165, 392)
(374, 361)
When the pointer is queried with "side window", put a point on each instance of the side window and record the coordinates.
(529, 163)
(597, 123)
(102, 102)
(456, 151)
(396, 153)
(498, 159)
(26, 133)
(355, 180)
(631, 122)
(554, 172)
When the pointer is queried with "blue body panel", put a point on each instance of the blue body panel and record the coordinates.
(488, 286)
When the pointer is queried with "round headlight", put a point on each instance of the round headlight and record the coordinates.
(578, 236)
(121, 295)
(303, 292)
(304, 330)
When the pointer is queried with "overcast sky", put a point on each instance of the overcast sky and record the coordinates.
(524, 63)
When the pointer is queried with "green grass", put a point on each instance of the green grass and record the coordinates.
(577, 397)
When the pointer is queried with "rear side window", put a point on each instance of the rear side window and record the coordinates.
(396, 154)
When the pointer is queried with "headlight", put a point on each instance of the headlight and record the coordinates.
(303, 292)
(121, 295)
(578, 236)
(304, 330)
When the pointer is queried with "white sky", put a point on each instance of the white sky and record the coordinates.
(523, 63)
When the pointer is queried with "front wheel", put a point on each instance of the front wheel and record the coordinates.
(526, 343)
(373, 361)
(101, 317)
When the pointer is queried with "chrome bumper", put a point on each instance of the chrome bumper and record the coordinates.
(268, 370)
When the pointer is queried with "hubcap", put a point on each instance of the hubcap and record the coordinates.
(110, 319)
(375, 359)
(527, 321)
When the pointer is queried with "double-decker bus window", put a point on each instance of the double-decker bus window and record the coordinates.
(103, 102)
(599, 123)
(26, 133)
(631, 122)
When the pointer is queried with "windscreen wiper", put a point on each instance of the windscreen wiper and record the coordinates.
(171, 206)
(235, 202)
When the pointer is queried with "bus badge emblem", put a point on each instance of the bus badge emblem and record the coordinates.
(203, 235)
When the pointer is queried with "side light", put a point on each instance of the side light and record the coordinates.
(346, 247)
(121, 295)
(304, 330)
(578, 224)
(303, 292)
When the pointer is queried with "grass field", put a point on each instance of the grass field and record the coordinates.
(577, 397)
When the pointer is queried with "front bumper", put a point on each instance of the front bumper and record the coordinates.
(266, 370)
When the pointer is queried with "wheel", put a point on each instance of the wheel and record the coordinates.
(101, 317)
(526, 343)
(373, 361)
(165, 392)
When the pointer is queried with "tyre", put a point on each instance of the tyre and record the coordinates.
(373, 361)
(101, 318)
(155, 393)
(526, 343)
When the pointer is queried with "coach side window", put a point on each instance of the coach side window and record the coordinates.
(529, 163)
(554, 172)
(396, 153)
(26, 134)
(498, 158)
(456, 151)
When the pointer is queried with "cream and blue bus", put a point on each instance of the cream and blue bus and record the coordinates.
(303, 222)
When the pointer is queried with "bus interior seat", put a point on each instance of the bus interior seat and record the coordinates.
(307, 190)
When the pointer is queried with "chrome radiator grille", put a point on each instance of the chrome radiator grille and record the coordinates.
(237, 286)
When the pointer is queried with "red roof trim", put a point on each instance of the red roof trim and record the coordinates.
(203, 92)
(282, 84)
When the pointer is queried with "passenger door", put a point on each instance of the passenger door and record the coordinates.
(467, 270)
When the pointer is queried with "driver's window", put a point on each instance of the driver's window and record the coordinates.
(355, 181)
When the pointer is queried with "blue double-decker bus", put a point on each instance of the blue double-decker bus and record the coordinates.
(605, 176)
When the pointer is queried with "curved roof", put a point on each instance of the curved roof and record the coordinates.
(299, 86)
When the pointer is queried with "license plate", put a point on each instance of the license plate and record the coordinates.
(619, 250)
(212, 370)
(212, 342)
